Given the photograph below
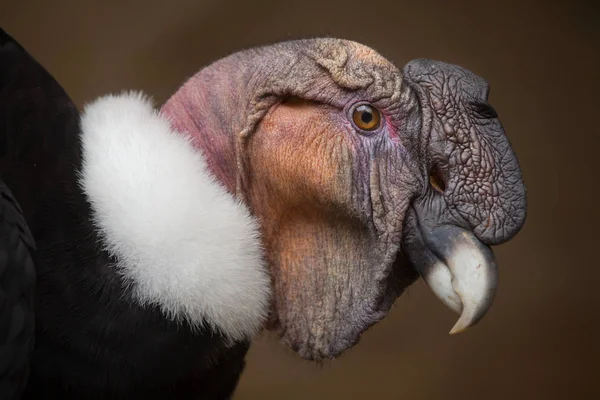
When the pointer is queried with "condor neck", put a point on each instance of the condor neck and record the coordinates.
(210, 109)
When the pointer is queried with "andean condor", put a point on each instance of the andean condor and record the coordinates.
(298, 187)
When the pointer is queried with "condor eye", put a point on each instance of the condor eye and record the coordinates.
(366, 117)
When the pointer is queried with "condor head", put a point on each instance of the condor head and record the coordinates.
(361, 178)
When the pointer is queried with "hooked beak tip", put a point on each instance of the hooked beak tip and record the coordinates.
(456, 330)
(461, 271)
(460, 326)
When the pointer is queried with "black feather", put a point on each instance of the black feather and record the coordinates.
(17, 284)
(91, 340)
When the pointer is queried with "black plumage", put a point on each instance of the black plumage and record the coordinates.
(17, 284)
(91, 341)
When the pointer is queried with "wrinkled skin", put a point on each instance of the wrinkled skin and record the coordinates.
(466, 142)
(350, 218)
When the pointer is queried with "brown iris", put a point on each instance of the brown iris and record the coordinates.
(366, 117)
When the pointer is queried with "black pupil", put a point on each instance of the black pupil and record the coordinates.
(366, 116)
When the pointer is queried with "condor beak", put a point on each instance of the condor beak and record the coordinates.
(461, 271)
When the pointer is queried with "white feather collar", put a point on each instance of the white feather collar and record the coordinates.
(184, 243)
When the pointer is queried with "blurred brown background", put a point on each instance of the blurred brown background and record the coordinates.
(541, 339)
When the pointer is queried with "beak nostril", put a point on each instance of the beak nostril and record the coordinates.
(436, 180)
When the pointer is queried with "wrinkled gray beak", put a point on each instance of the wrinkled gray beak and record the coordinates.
(477, 196)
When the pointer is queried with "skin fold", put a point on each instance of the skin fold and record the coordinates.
(350, 218)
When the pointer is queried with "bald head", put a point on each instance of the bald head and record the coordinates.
(330, 148)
